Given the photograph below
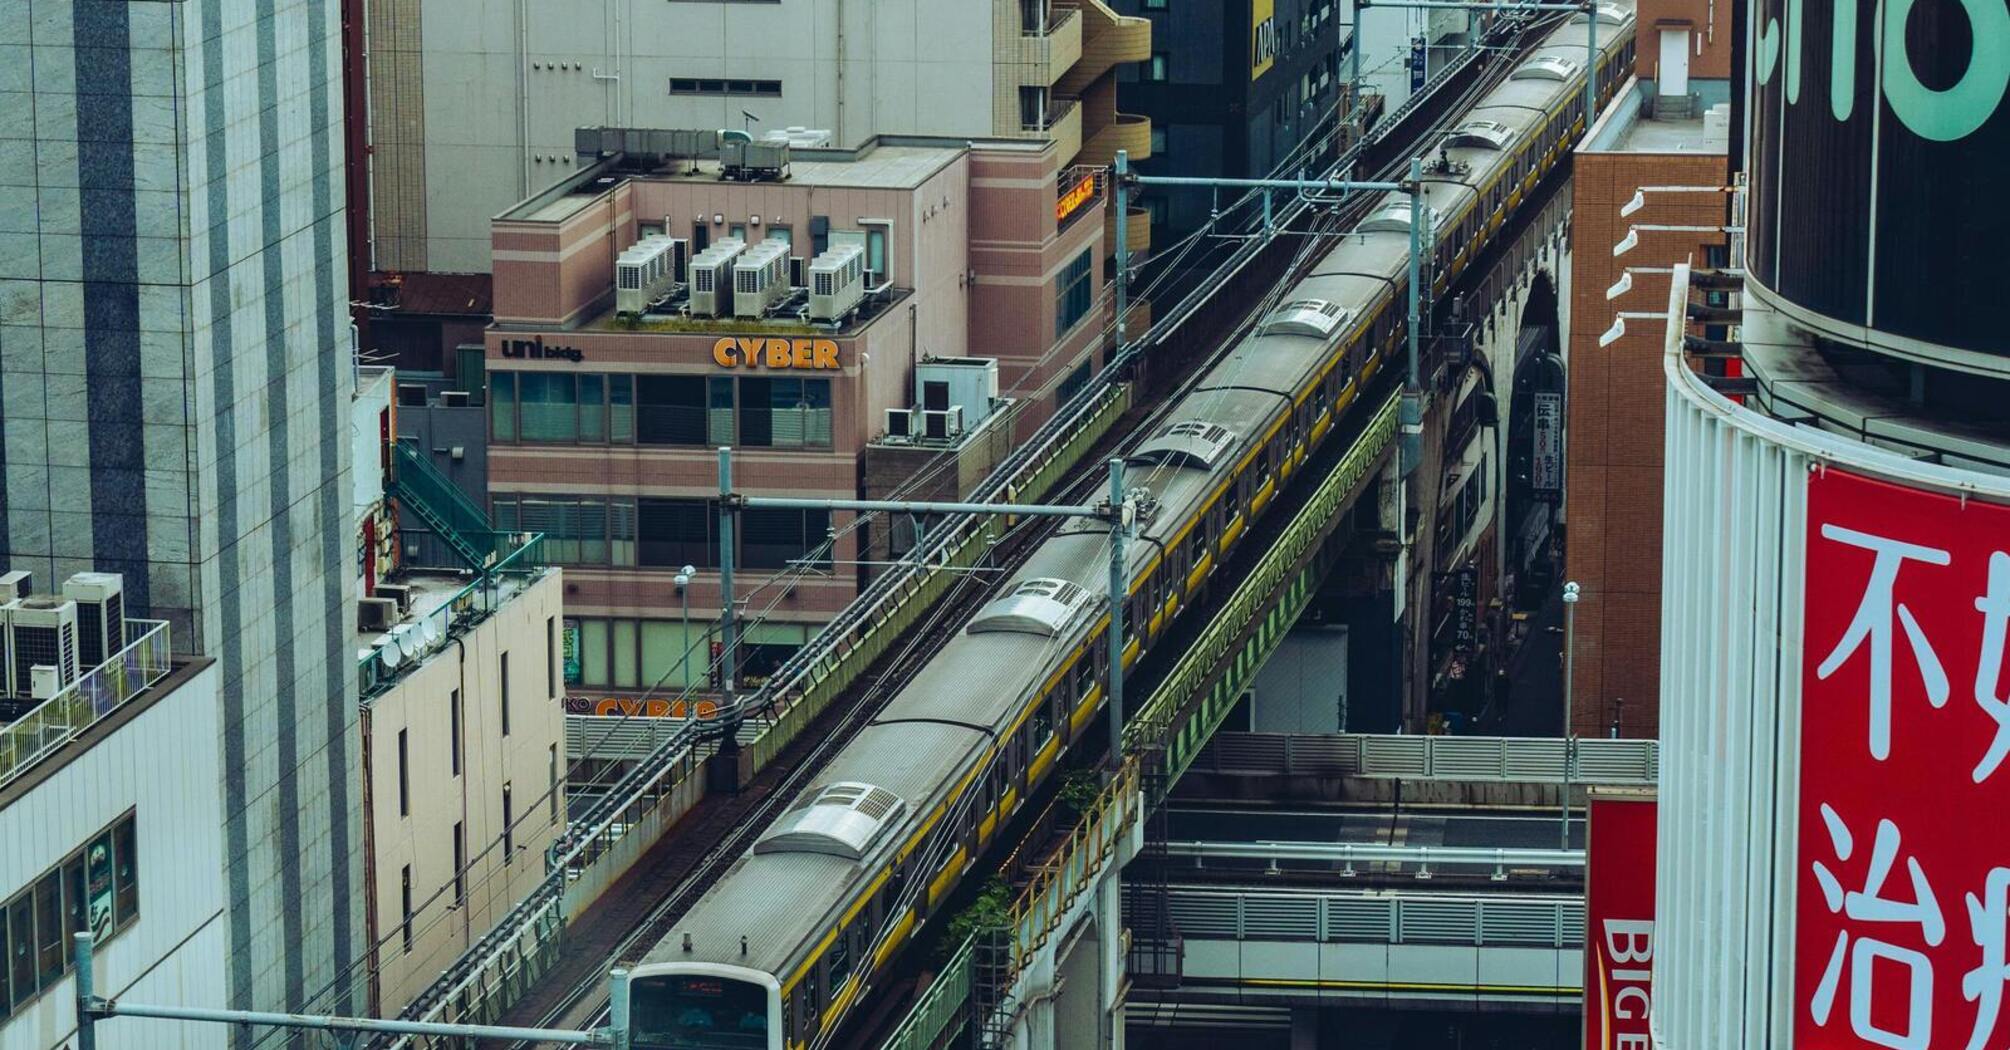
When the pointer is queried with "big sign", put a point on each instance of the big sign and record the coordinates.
(1619, 923)
(1903, 871)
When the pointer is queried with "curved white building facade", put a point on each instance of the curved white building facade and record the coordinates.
(1833, 855)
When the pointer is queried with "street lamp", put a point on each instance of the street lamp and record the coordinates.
(1570, 592)
(683, 582)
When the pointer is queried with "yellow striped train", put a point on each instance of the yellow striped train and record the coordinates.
(773, 954)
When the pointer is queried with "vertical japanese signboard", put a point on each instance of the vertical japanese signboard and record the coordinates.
(1546, 460)
(1903, 868)
(1618, 921)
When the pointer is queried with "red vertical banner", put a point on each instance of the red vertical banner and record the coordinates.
(1618, 921)
(1903, 863)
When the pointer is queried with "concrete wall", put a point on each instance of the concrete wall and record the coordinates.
(164, 767)
(420, 706)
(1615, 413)
(503, 84)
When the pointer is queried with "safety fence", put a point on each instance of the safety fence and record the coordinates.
(1376, 917)
(95, 694)
(1517, 760)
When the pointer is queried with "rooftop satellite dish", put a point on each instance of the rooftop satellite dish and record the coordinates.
(388, 654)
(406, 638)
(429, 631)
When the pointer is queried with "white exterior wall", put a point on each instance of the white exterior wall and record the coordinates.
(420, 705)
(1735, 523)
(164, 766)
(909, 67)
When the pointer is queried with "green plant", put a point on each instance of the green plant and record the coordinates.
(1079, 788)
(991, 909)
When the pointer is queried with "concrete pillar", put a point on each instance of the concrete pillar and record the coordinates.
(1077, 1008)
(1110, 920)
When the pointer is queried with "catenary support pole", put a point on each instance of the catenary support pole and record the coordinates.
(618, 1007)
(1123, 253)
(87, 1036)
(1411, 411)
(728, 638)
(1119, 594)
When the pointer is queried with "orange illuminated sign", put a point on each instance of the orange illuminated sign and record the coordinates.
(1081, 193)
(752, 352)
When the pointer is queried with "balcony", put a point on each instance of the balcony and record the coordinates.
(1062, 123)
(1129, 132)
(1137, 232)
(1107, 39)
(1050, 50)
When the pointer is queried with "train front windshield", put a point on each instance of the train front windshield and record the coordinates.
(698, 1012)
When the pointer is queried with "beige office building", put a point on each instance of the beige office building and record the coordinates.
(473, 103)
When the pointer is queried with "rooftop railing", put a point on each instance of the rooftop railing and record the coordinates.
(98, 692)
(519, 560)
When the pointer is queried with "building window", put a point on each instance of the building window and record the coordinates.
(670, 410)
(561, 408)
(502, 407)
(460, 863)
(96, 887)
(878, 253)
(1156, 67)
(714, 86)
(508, 827)
(503, 693)
(1158, 140)
(784, 413)
(551, 657)
(775, 539)
(405, 897)
(1032, 107)
(578, 530)
(1074, 293)
(1155, 5)
(677, 532)
(454, 729)
(404, 777)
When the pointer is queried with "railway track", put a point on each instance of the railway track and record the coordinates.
(638, 909)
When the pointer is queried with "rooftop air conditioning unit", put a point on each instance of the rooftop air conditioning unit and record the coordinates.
(837, 282)
(44, 682)
(646, 272)
(376, 614)
(942, 424)
(42, 632)
(396, 592)
(903, 424)
(712, 278)
(101, 615)
(16, 585)
(760, 278)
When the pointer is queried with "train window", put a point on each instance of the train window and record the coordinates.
(1084, 676)
(1042, 723)
(838, 961)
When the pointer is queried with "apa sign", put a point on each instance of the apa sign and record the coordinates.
(1618, 921)
(1902, 876)
(1262, 37)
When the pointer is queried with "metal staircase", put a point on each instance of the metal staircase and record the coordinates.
(440, 507)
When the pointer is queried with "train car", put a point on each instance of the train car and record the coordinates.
(793, 934)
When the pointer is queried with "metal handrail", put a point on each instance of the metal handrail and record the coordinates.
(97, 693)
(1039, 909)
(946, 998)
(469, 605)
(1471, 759)
(1373, 852)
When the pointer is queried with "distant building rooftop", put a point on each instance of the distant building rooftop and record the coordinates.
(883, 164)
(424, 609)
(1651, 125)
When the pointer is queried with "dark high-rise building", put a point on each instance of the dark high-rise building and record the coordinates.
(1232, 88)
